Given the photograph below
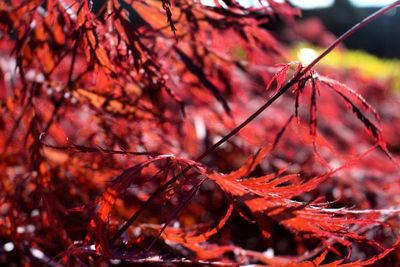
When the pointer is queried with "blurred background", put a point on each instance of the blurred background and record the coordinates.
(381, 38)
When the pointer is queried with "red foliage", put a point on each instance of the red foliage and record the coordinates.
(129, 132)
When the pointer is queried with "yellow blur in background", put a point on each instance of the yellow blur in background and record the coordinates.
(372, 66)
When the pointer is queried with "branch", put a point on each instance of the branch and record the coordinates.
(261, 109)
